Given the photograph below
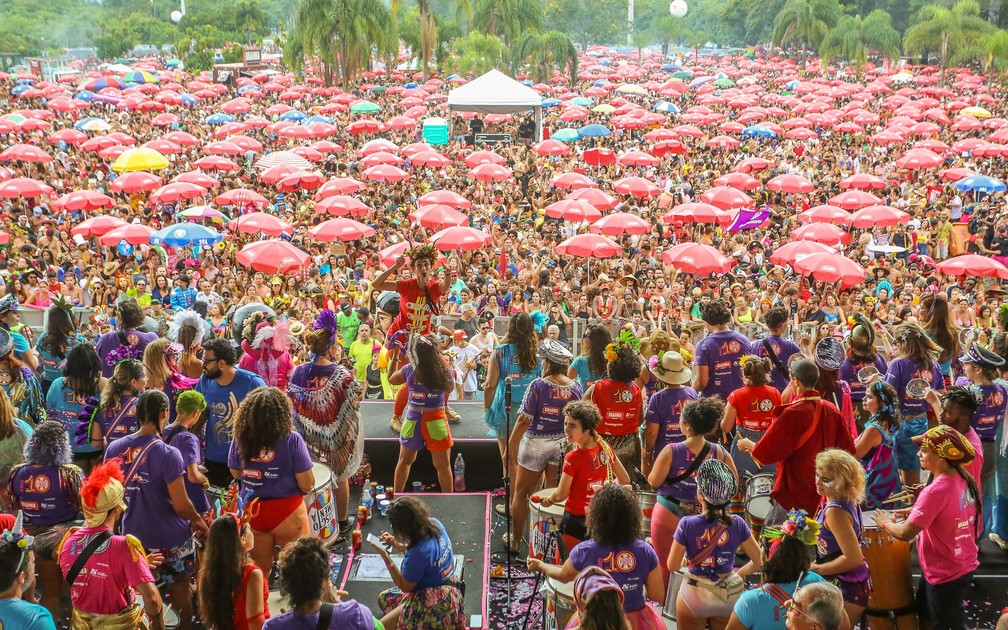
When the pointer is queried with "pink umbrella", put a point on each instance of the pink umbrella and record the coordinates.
(385, 173)
(789, 183)
(23, 187)
(825, 214)
(863, 181)
(919, 159)
(460, 237)
(241, 197)
(883, 216)
(341, 229)
(273, 256)
(24, 153)
(722, 142)
(338, 186)
(84, 200)
(638, 158)
(482, 157)
(390, 255)
(973, 265)
(445, 198)
(796, 250)
(223, 147)
(198, 178)
(135, 182)
(96, 226)
(439, 217)
(589, 246)
(620, 223)
(573, 210)
(430, 159)
(490, 173)
(739, 181)
(171, 193)
(342, 205)
(955, 174)
(132, 233)
(300, 181)
(824, 233)
(573, 181)
(726, 198)
(636, 186)
(70, 136)
(832, 267)
(551, 147)
(692, 212)
(697, 259)
(380, 157)
(854, 199)
(749, 165)
(215, 163)
(595, 197)
(260, 222)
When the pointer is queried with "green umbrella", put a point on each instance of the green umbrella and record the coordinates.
(682, 74)
(724, 83)
(364, 107)
(379, 89)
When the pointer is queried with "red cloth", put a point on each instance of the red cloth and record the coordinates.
(794, 487)
(620, 406)
(415, 307)
(241, 622)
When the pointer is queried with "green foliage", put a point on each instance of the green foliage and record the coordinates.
(343, 34)
(541, 53)
(853, 38)
(476, 54)
(954, 34)
(805, 22)
(587, 21)
(507, 19)
(995, 47)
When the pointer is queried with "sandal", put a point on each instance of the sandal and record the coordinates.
(396, 424)
(507, 540)
(997, 540)
(499, 508)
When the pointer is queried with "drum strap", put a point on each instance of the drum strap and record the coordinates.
(705, 553)
(324, 617)
(699, 459)
(92, 547)
(777, 593)
(775, 359)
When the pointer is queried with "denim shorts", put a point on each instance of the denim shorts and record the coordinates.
(906, 451)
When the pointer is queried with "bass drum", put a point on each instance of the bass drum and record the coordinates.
(891, 604)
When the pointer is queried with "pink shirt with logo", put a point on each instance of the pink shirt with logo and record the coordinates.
(104, 586)
(946, 514)
(975, 466)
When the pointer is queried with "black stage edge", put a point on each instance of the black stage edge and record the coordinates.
(479, 451)
(466, 517)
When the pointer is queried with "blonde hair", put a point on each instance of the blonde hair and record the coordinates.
(158, 372)
(7, 416)
(846, 471)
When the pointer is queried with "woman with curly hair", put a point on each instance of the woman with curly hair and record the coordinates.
(232, 590)
(620, 401)
(82, 381)
(53, 345)
(114, 415)
(718, 372)
(272, 462)
(590, 365)
(614, 524)
(326, 410)
(46, 488)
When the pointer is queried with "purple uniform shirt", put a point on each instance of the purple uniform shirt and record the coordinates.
(987, 418)
(828, 548)
(118, 421)
(544, 403)
(40, 495)
(694, 533)
(111, 340)
(720, 353)
(665, 409)
(271, 475)
(421, 400)
(629, 566)
(349, 615)
(901, 372)
(188, 446)
(685, 490)
(784, 349)
(848, 373)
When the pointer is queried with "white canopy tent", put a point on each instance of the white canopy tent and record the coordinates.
(496, 93)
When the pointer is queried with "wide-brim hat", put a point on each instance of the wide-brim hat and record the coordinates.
(829, 354)
(947, 443)
(296, 328)
(555, 352)
(978, 355)
(110, 269)
(672, 370)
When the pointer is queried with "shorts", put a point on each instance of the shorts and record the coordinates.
(705, 603)
(179, 564)
(906, 451)
(434, 433)
(855, 593)
(536, 452)
(272, 512)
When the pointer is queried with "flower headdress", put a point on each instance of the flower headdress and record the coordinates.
(799, 525)
(63, 302)
(625, 339)
(186, 318)
(238, 504)
(539, 320)
(424, 250)
(120, 354)
(743, 360)
(16, 534)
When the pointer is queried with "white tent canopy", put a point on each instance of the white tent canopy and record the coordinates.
(496, 93)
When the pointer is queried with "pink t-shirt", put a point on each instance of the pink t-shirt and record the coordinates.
(946, 515)
(104, 586)
(975, 466)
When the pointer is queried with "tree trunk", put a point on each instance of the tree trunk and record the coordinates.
(664, 47)
(994, 12)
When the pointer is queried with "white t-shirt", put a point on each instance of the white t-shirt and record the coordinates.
(464, 375)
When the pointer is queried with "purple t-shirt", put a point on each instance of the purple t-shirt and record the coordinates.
(111, 340)
(150, 515)
(40, 495)
(784, 349)
(720, 353)
(828, 547)
(987, 418)
(682, 457)
(118, 421)
(349, 615)
(902, 371)
(312, 375)
(848, 373)
(629, 566)
(421, 400)
(271, 475)
(665, 410)
(188, 446)
(694, 533)
(545, 403)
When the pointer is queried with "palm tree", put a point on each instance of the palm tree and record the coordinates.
(507, 19)
(696, 40)
(427, 31)
(995, 47)
(477, 54)
(250, 15)
(343, 34)
(805, 22)
(668, 28)
(853, 38)
(543, 52)
(954, 33)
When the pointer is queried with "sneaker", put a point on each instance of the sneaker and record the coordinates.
(997, 540)
(396, 424)
(453, 416)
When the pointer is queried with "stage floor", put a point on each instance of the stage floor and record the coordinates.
(376, 414)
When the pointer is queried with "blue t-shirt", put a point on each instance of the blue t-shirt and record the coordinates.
(50, 363)
(585, 377)
(64, 406)
(430, 562)
(223, 405)
(17, 613)
(757, 609)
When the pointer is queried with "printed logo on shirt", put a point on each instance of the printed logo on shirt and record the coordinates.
(265, 457)
(625, 562)
(36, 484)
(133, 340)
(730, 347)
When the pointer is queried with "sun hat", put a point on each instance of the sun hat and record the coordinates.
(829, 354)
(592, 580)
(715, 482)
(670, 369)
(554, 351)
(947, 443)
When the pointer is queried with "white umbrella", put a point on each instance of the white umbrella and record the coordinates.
(288, 158)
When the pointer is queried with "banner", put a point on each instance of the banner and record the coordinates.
(749, 219)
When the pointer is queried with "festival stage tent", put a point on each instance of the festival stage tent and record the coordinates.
(496, 93)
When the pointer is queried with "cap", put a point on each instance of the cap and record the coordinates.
(829, 354)
(982, 357)
(592, 580)
(715, 482)
(345, 307)
(946, 443)
(6, 342)
(554, 351)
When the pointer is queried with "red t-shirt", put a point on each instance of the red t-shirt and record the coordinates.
(754, 406)
(415, 306)
(586, 466)
(620, 406)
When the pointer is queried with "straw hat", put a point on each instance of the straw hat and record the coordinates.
(671, 369)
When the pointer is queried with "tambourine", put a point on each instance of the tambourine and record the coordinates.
(966, 336)
(868, 374)
(917, 388)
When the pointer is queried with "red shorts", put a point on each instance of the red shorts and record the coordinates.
(272, 512)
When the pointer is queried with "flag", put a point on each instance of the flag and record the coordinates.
(749, 219)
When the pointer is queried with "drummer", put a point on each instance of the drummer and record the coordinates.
(749, 412)
(956, 408)
(982, 368)
(775, 347)
(946, 520)
(860, 354)
(664, 410)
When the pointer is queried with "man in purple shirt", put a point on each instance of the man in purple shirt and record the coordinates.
(128, 337)
(781, 349)
(718, 372)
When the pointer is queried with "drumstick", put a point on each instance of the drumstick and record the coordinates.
(906, 495)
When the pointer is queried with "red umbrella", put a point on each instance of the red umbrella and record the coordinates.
(883, 216)
(973, 265)
(595, 197)
(260, 222)
(749, 165)
(182, 138)
(490, 173)
(638, 158)
(273, 256)
(573, 210)
(796, 250)
(832, 267)
(620, 223)
(824, 233)
(955, 174)
(919, 159)
(589, 246)
(342, 205)
(215, 163)
(697, 213)
(171, 193)
(672, 146)
(390, 255)
(863, 181)
(339, 186)
(460, 237)
(854, 199)
(23, 187)
(163, 146)
(300, 181)
(438, 217)
(84, 200)
(551, 147)
(97, 226)
(430, 159)
(697, 259)
(24, 153)
(636, 186)
(223, 147)
(445, 198)
(198, 178)
(739, 181)
(379, 145)
(385, 173)
(599, 156)
(241, 197)
(381, 157)
(573, 181)
(476, 158)
(341, 229)
(70, 136)
(722, 142)
(789, 183)
(135, 182)
(726, 198)
(825, 214)
(132, 233)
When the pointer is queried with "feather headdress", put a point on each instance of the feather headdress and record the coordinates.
(187, 318)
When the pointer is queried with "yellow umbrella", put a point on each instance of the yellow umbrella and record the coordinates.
(139, 159)
(631, 88)
(975, 111)
(604, 108)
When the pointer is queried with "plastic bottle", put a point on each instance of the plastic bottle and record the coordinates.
(459, 481)
(366, 499)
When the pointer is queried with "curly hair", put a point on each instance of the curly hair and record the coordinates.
(962, 397)
(888, 397)
(703, 414)
(522, 333)
(846, 471)
(410, 520)
(126, 371)
(222, 349)
(614, 516)
(756, 370)
(151, 404)
(598, 337)
(59, 329)
(585, 412)
(83, 369)
(263, 419)
(131, 316)
(49, 445)
(715, 313)
(788, 561)
(304, 566)
(627, 366)
(775, 317)
(224, 561)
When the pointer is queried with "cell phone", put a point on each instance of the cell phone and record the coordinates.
(374, 540)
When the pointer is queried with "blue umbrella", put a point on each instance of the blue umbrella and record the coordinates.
(981, 183)
(583, 101)
(21, 87)
(84, 95)
(188, 99)
(292, 115)
(593, 131)
(317, 118)
(605, 62)
(219, 118)
(410, 86)
(565, 135)
(668, 108)
(527, 82)
(601, 83)
(84, 121)
(669, 67)
(758, 131)
(550, 102)
(700, 81)
(184, 234)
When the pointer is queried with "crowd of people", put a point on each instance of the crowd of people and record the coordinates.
(161, 429)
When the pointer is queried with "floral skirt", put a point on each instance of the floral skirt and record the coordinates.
(435, 608)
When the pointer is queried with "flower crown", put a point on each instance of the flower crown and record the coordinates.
(424, 250)
(625, 339)
(237, 504)
(122, 353)
(799, 525)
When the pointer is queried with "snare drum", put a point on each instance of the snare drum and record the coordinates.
(321, 503)
(559, 604)
(891, 603)
(544, 523)
(647, 503)
(758, 501)
(170, 617)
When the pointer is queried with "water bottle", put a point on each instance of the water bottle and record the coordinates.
(366, 499)
(459, 481)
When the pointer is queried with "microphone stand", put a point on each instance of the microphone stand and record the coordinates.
(507, 491)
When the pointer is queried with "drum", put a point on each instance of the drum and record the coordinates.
(559, 604)
(171, 618)
(668, 612)
(758, 502)
(891, 599)
(647, 503)
(543, 525)
(277, 603)
(321, 504)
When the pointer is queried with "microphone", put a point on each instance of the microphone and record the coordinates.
(507, 391)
